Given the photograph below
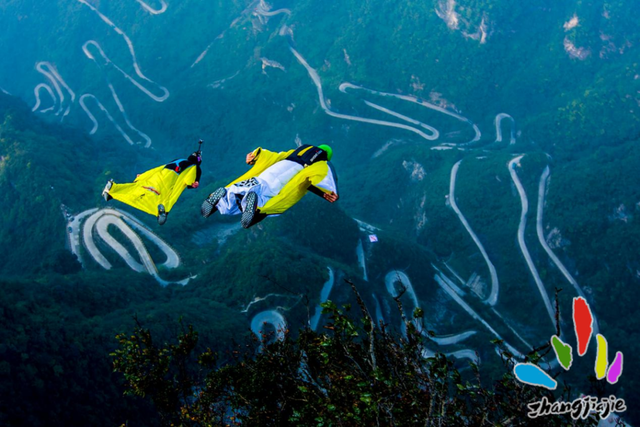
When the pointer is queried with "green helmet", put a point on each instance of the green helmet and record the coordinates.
(327, 149)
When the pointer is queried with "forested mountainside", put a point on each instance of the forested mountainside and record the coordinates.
(489, 148)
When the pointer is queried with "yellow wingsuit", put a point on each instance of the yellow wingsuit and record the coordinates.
(318, 174)
(158, 186)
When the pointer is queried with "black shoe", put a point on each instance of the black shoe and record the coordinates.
(162, 215)
(209, 205)
(105, 192)
(250, 209)
(259, 216)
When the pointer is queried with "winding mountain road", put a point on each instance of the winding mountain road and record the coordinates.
(164, 92)
(36, 92)
(264, 9)
(86, 48)
(521, 240)
(543, 242)
(51, 73)
(271, 317)
(394, 276)
(466, 354)
(93, 51)
(151, 10)
(73, 230)
(492, 298)
(345, 86)
(432, 135)
(258, 299)
(101, 226)
(434, 132)
(323, 104)
(498, 121)
(525, 342)
(472, 313)
(102, 108)
(324, 296)
(450, 282)
(100, 220)
(173, 259)
(453, 339)
(362, 260)
(379, 315)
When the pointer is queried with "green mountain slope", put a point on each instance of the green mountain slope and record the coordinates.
(229, 72)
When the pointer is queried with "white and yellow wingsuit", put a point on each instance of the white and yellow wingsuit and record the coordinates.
(289, 180)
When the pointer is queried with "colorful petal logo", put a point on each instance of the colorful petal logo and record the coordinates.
(583, 324)
(531, 374)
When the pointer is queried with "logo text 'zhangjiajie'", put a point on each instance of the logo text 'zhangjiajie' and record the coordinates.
(531, 374)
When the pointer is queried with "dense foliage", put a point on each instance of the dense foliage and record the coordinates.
(576, 115)
(351, 374)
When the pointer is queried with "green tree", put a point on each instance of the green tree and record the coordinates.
(354, 374)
